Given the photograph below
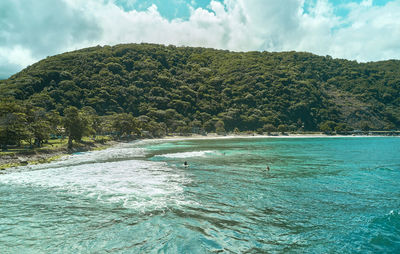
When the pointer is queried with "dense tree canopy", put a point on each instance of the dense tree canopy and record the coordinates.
(185, 89)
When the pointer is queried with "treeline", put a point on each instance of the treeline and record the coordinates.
(184, 89)
(35, 125)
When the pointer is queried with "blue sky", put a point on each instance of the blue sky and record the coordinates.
(172, 9)
(362, 30)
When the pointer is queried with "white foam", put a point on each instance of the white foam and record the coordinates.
(119, 152)
(133, 183)
(392, 212)
(188, 154)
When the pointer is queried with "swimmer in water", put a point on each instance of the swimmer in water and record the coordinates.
(185, 164)
(267, 168)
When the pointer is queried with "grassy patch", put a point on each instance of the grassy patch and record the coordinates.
(7, 153)
(9, 165)
(45, 160)
(43, 154)
(51, 145)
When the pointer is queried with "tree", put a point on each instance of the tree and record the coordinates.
(92, 120)
(340, 127)
(365, 126)
(269, 128)
(155, 129)
(327, 126)
(125, 124)
(39, 126)
(183, 130)
(219, 127)
(195, 126)
(208, 126)
(282, 128)
(13, 129)
(13, 124)
(55, 121)
(75, 124)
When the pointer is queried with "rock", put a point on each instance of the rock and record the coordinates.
(22, 161)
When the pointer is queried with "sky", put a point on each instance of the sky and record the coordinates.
(362, 30)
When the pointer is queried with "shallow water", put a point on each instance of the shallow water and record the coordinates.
(321, 195)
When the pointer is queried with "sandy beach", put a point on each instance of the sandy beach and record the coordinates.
(15, 160)
(289, 135)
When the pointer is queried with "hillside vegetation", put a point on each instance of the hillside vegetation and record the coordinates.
(184, 89)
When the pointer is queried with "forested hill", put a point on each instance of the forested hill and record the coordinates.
(187, 88)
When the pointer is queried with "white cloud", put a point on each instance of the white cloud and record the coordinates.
(31, 30)
(13, 59)
(373, 33)
(17, 55)
(47, 27)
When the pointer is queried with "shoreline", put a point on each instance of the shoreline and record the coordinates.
(33, 157)
(48, 155)
(232, 136)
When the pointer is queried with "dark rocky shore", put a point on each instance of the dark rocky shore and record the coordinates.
(27, 157)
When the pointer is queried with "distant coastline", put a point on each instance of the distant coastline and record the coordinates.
(288, 135)
(31, 157)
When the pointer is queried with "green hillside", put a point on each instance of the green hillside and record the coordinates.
(185, 88)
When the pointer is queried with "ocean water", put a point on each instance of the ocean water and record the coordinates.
(322, 195)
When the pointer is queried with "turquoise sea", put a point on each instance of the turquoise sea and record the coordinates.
(322, 195)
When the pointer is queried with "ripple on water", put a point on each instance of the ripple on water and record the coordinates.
(320, 196)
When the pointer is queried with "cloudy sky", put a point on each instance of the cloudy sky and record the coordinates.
(362, 30)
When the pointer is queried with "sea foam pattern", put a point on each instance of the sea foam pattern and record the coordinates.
(188, 154)
(108, 176)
